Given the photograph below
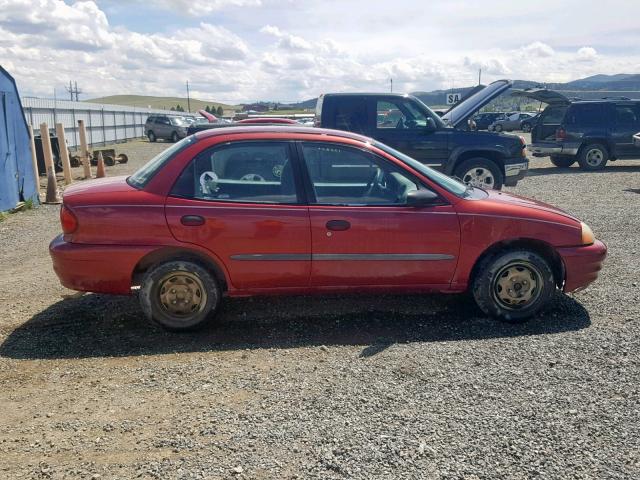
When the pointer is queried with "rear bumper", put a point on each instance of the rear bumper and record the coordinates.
(514, 172)
(95, 268)
(549, 148)
(582, 264)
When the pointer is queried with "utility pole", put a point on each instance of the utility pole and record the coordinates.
(73, 90)
(188, 98)
(391, 81)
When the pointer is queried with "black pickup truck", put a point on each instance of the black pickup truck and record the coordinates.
(403, 122)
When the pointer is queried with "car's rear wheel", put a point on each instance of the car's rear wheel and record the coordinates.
(513, 285)
(480, 172)
(562, 161)
(151, 136)
(179, 295)
(174, 137)
(526, 127)
(593, 157)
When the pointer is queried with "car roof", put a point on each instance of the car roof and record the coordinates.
(293, 130)
(368, 94)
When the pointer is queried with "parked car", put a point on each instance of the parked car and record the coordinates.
(527, 124)
(267, 120)
(636, 139)
(168, 127)
(510, 123)
(591, 132)
(483, 120)
(336, 212)
(405, 123)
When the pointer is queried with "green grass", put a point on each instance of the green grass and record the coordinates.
(142, 102)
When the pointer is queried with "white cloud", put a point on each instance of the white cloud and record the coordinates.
(587, 54)
(538, 49)
(286, 40)
(199, 8)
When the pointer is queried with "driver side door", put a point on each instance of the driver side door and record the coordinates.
(401, 125)
(362, 231)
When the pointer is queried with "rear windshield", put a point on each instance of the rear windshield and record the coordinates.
(153, 166)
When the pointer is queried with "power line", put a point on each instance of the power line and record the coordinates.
(72, 89)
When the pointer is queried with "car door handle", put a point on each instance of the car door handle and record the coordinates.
(192, 220)
(338, 225)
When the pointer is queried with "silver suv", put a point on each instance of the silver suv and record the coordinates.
(167, 127)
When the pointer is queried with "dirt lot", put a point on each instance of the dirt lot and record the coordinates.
(359, 387)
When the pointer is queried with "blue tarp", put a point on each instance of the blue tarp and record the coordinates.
(17, 181)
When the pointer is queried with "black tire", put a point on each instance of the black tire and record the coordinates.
(488, 292)
(498, 128)
(593, 156)
(151, 136)
(191, 281)
(562, 161)
(109, 161)
(526, 127)
(174, 137)
(464, 172)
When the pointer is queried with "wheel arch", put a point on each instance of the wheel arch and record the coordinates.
(601, 139)
(493, 155)
(542, 248)
(165, 254)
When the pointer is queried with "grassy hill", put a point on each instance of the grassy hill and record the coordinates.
(163, 103)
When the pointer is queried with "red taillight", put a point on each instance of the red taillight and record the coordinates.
(561, 134)
(68, 220)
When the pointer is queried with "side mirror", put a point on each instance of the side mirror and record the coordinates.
(431, 124)
(422, 198)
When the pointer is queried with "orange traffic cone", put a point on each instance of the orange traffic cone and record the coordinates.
(52, 188)
(100, 172)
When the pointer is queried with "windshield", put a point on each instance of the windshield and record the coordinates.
(180, 121)
(419, 104)
(153, 166)
(450, 184)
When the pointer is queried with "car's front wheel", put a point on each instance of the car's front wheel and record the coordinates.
(179, 295)
(513, 285)
(151, 136)
(174, 137)
(526, 127)
(562, 161)
(498, 128)
(480, 172)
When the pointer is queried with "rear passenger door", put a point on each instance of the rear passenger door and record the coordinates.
(240, 201)
(626, 124)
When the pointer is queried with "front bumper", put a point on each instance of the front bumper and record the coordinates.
(95, 268)
(544, 149)
(582, 264)
(514, 172)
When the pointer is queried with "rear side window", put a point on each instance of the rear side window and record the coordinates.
(587, 114)
(255, 172)
(553, 115)
(348, 113)
(626, 114)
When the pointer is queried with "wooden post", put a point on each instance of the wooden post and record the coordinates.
(34, 158)
(64, 153)
(46, 148)
(84, 151)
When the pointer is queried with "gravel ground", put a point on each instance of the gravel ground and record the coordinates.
(359, 387)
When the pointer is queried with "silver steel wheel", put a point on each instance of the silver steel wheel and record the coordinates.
(594, 157)
(517, 285)
(182, 294)
(479, 177)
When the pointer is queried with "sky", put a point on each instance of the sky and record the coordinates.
(237, 51)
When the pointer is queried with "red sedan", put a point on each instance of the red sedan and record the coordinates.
(292, 210)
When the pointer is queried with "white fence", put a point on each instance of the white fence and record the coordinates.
(104, 123)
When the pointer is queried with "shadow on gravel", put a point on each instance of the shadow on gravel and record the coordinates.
(577, 170)
(104, 326)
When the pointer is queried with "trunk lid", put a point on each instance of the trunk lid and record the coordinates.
(549, 97)
(459, 114)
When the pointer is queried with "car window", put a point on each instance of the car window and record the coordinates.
(256, 172)
(153, 166)
(343, 175)
(625, 115)
(400, 114)
(586, 114)
(553, 115)
(350, 114)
